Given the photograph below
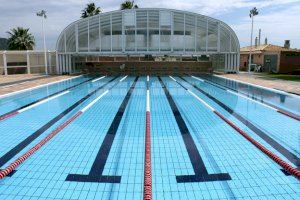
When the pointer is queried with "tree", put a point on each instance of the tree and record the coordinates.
(20, 39)
(253, 12)
(90, 10)
(128, 5)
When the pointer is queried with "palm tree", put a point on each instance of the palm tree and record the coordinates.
(128, 5)
(90, 10)
(20, 39)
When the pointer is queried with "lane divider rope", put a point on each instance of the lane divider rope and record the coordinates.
(289, 114)
(265, 104)
(11, 114)
(21, 159)
(147, 164)
(44, 101)
(40, 101)
(292, 170)
(259, 86)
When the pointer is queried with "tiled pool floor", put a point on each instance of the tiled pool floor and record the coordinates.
(100, 153)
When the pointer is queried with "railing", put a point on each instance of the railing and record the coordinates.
(30, 62)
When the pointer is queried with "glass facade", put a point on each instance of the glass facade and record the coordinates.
(147, 31)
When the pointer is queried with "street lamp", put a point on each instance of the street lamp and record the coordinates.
(253, 12)
(42, 14)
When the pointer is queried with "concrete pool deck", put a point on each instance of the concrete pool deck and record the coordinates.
(261, 80)
(18, 77)
(26, 82)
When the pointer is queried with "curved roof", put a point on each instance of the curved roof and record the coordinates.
(148, 31)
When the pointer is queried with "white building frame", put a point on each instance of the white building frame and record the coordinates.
(219, 38)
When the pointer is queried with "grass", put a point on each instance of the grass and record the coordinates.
(287, 77)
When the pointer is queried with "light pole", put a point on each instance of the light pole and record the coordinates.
(42, 14)
(253, 12)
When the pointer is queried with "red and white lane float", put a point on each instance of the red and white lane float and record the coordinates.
(289, 168)
(32, 106)
(21, 159)
(147, 167)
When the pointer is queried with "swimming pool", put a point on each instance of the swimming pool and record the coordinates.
(169, 137)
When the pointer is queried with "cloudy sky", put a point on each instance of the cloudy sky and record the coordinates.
(278, 19)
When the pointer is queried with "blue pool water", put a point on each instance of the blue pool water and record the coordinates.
(100, 155)
(280, 99)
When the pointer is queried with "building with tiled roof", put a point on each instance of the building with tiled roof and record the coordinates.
(272, 58)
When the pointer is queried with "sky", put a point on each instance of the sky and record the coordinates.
(278, 19)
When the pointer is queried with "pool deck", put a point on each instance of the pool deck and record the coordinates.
(14, 83)
(258, 79)
(18, 77)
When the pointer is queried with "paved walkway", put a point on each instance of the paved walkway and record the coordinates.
(18, 77)
(25, 84)
(21, 81)
(258, 79)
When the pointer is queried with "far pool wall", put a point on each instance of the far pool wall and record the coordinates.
(148, 67)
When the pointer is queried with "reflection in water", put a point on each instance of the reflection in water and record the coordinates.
(282, 99)
(285, 102)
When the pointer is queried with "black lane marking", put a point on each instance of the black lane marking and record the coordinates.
(11, 173)
(95, 174)
(46, 97)
(293, 115)
(22, 81)
(201, 174)
(14, 151)
(289, 155)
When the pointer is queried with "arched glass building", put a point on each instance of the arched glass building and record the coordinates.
(155, 32)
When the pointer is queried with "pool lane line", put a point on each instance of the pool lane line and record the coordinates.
(245, 97)
(22, 158)
(201, 173)
(103, 94)
(18, 148)
(44, 101)
(96, 172)
(278, 147)
(292, 170)
(39, 86)
(254, 99)
(147, 162)
(260, 86)
(234, 92)
(208, 154)
(17, 111)
(38, 102)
